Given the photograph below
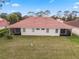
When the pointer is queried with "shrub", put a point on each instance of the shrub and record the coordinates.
(1, 34)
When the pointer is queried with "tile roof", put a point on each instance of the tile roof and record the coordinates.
(73, 23)
(39, 22)
(3, 22)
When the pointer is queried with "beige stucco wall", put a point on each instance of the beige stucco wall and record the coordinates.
(75, 30)
(2, 28)
(40, 32)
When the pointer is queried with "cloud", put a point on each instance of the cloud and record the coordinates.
(37, 10)
(15, 5)
(7, 3)
(51, 1)
(77, 3)
(12, 10)
(75, 7)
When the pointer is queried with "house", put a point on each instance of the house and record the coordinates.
(75, 25)
(43, 26)
(3, 23)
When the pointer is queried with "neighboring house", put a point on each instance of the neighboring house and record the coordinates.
(3, 23)
(43, 26)
(75, 25)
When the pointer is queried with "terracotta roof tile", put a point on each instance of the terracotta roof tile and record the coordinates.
(39, 22)
(73, 23)
(3, 22)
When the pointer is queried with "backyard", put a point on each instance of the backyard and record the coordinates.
(32, 47)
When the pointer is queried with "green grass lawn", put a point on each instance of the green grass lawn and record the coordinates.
(29, 47)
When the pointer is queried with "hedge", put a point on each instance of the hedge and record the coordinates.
(3, 32)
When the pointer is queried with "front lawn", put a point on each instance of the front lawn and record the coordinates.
(74, 39)
(29, 47)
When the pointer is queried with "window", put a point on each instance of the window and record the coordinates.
(42, 28)
(56, 30)
(24, 29)
(33, 30)
(37, 28)
(47, 30)
(62, 30)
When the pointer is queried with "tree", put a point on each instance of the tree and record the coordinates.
(69, 16)
(54, 17)
(47, 12)
(30, 13)
(59, 14)
(74, 15)
(25, 16)
(12, 18)
(40, 14)
(66, 15)
(43, 13)
(19, 15)
(3, 15)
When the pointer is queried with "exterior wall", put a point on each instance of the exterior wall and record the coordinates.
(2, 28)
(52, 32)
(75, 31)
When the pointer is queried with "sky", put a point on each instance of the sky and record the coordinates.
(24, 6)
